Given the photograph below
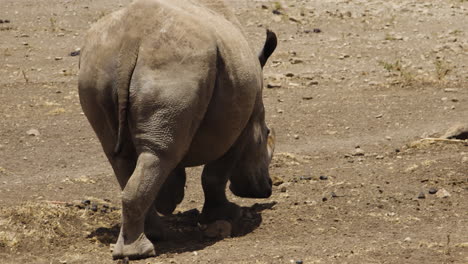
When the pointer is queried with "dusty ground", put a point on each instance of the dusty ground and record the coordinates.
(375, 74)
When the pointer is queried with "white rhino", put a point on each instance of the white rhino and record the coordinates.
(169, 84)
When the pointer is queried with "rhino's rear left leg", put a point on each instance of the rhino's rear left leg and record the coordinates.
(137, 197)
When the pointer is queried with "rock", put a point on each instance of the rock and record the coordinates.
(289, 74)
(277, 180)
(296, 136)
(450, 90)
(75, 53)
(358, 152)
(333, 195)
(442, 193)
(310, 83)
(307, 97)
(379, 157)
(58, 58)
(421, 195)
(123, 261)
(296, 60)
(432, 191)
(458, 131)
(294, 19)
(274, 85)
(33, 132)
(276, 12)
(218, 229)
(323, 177)
(283, 189)
(299, 262)
(407, 239)
(324, 199)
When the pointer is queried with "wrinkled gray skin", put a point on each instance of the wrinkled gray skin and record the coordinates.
(169, 84)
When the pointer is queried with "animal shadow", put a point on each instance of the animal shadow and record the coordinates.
(184, 233)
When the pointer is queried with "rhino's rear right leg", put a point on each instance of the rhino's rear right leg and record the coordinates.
(217, 206)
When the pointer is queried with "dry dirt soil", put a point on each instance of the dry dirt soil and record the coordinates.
(353, 88)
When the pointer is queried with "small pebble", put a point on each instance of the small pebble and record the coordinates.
(333, 194)
(283, 189)
(75, 53)
(432, 191)
(94, 208)
(86, 202)
(421, 195)
(58, 58)
(299, 262)
(324, 199)
(323, 177)
(442, 193)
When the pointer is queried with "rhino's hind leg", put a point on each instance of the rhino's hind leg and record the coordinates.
(217, 206)
(137, 198)
(172, 192)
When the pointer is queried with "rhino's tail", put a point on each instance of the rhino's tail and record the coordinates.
(127, 59)
(268, 48)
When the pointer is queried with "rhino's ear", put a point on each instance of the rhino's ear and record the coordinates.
(268, 48)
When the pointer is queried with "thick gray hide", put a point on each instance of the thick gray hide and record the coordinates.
(168, 84)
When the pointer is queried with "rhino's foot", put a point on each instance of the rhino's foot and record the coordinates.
(139, 249)
(172, 192)
(154, 228)
(228, 211)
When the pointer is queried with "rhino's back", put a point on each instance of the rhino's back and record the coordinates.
(175, 34)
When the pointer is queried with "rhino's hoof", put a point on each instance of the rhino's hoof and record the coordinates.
(229, 211)
(139, 249)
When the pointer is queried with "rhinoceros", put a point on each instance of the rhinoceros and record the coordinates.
(170, 84)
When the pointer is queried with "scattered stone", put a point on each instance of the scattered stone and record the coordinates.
(333, 195)
(421, 195)
(296, 60)
(310, 83)
(294, 19)
(58, 58)
(458, 131)
(379, 116)
(305, 178)
(283, 189)
(277, 180)
(93, 208)
(86, 202)
(274, 85)
(379, 157)
(123, 261)
(218, 229)
(6, 21)
(33, 132)
(276, 12)
(307, 97)
(450, 90)
(289, 74)
(324, 199)
(442, 193)
(299, 262)
(296, 136)
(323, 177)
(358, 152)
(75, 53)
(407, 239)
